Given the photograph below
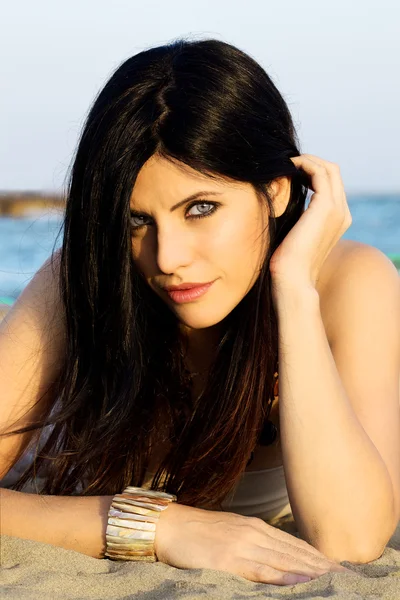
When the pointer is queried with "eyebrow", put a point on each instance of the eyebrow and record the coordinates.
(186, 200)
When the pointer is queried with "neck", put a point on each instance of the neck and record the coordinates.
(199, 348)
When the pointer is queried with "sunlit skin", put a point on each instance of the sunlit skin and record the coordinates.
(227, 246)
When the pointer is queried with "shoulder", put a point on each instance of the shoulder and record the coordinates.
(355, 274)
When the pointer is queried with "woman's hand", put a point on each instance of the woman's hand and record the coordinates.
(195, 538)
(299, 258)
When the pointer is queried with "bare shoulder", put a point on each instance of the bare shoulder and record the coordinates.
(332, 270)
(348, 270)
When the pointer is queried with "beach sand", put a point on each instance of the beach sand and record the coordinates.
(36, 571)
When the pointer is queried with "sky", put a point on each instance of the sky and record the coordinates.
(337, 64)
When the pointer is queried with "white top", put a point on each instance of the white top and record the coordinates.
(260, 494)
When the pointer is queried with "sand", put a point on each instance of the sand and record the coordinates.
(37, 571)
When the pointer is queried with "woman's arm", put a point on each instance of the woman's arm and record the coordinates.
(32, 352)
(340, 450)
(186, 537)
(72, 522)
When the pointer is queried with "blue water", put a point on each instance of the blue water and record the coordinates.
(26, 243)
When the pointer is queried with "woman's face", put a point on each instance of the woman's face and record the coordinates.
(171, 247)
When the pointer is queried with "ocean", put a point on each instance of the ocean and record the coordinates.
(25, 243)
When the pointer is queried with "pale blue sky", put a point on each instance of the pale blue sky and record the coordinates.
(336, 63)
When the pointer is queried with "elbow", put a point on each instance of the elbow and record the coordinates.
(358, 542)
(363, 550)
(364, 553)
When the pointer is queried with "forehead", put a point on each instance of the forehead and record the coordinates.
(161, 180)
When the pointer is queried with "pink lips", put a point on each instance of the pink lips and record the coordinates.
(189, 294)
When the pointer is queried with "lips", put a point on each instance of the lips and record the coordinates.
(190, 294)
(185, 286)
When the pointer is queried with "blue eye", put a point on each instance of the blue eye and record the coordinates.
(214, 206)
(206, 214)
(136, 217)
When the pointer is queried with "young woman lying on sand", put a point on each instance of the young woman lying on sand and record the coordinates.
(188, 171)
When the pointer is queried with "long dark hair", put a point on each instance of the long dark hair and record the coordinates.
(211, 106)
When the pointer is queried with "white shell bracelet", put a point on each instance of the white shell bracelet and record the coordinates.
(132, 520)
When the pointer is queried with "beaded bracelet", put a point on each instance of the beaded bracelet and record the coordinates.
(132, 520)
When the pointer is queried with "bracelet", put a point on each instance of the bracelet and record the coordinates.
(132, 520)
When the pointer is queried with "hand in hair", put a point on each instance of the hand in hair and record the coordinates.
(299, 258)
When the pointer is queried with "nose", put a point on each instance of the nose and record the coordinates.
(174, 250)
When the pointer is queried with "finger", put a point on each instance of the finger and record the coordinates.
(303, 556)
(316, 158)
(291, 561)
(330, 167)
(295, 544)
(320, 179)
(284, 536)
(333, 173)
(262, 573)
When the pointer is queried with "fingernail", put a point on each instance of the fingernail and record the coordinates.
(296, 578)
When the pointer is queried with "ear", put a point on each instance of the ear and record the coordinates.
(279, 190)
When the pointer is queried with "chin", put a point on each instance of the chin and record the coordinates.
(203, 319)
(199, 323)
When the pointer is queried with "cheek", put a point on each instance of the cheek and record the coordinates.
(239, 247)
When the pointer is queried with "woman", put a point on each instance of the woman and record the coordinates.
(188, 171)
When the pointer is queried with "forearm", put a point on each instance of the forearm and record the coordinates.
(72, 522)
(339, 487)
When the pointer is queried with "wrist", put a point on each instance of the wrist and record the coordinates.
(168, 523)
(289, 294)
